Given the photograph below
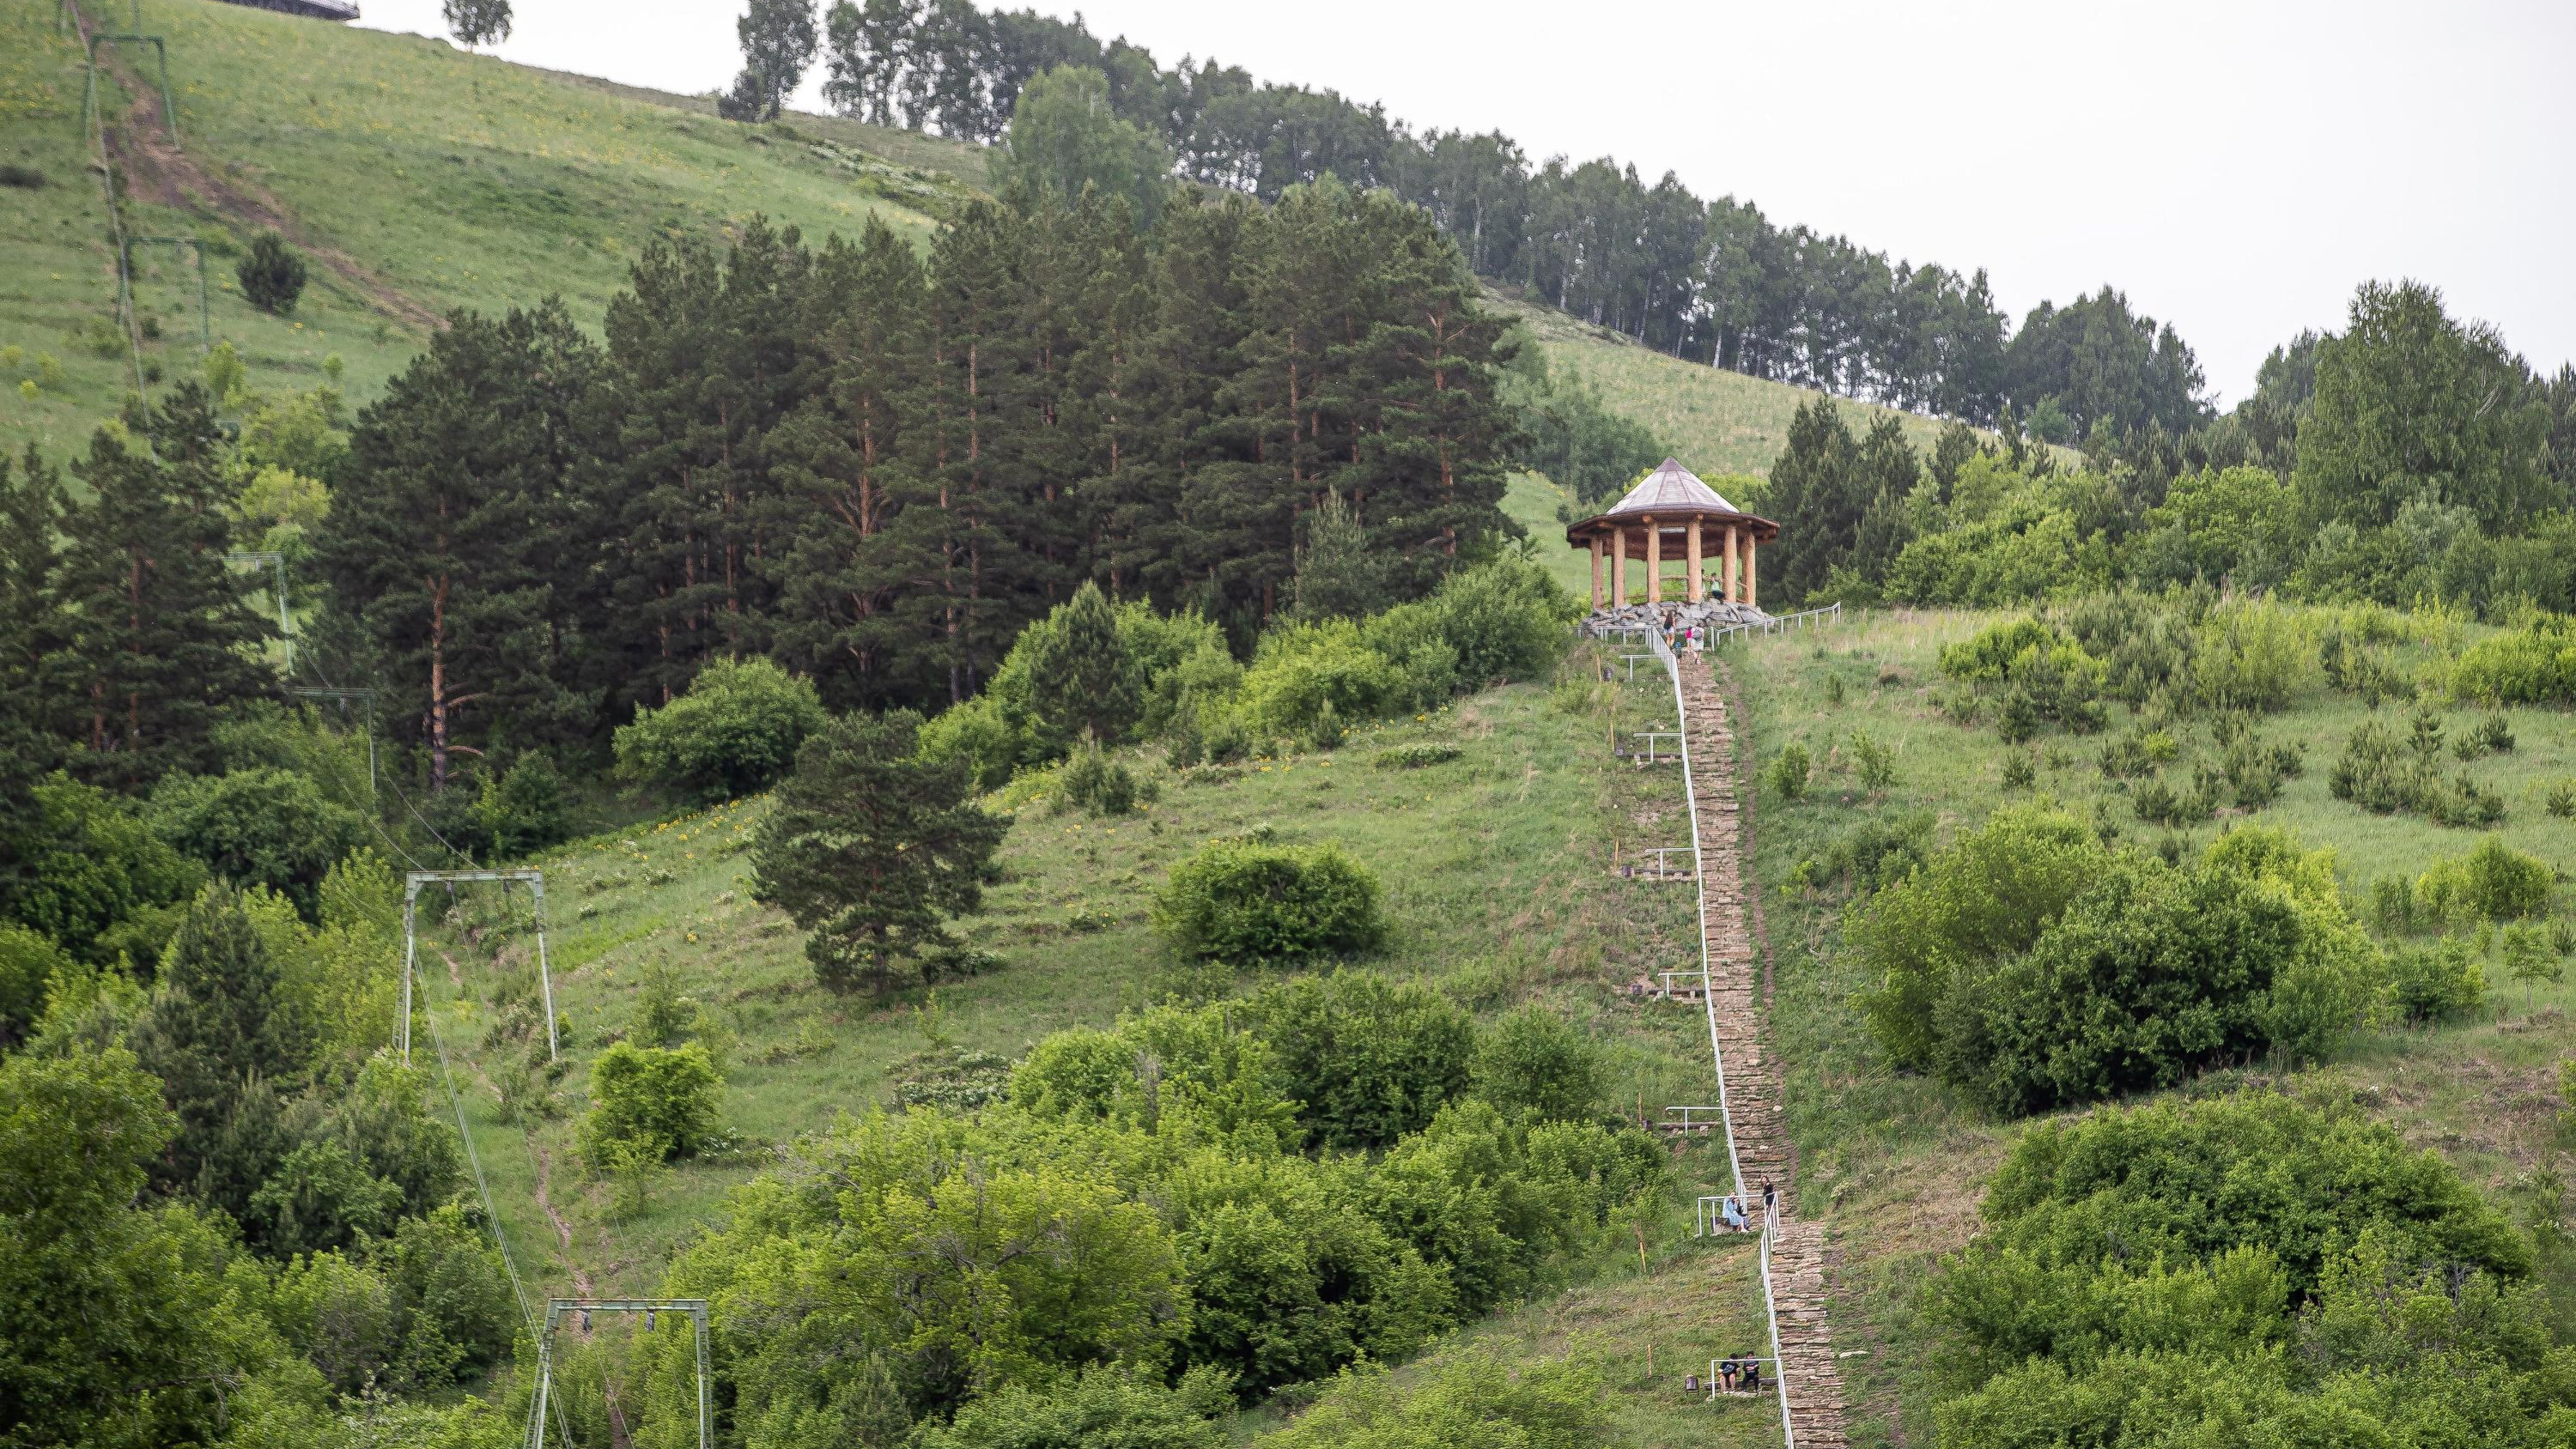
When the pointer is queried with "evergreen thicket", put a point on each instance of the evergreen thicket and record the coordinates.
(878, 472)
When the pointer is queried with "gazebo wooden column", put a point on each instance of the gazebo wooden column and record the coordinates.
(1654, 562)
(1596, 571)
(1749, 574)
(1619, 568)
(1695, 590)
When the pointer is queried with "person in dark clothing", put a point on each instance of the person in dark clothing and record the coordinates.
(1770, 1201)
(1726, 1371)
(1753, 1375)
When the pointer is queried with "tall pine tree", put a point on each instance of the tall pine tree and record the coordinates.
(159, 633)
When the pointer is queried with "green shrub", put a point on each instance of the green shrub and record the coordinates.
(1501, 620)
(1101, 1408)
(1475, 1399)
(982, 736)
(735, 731)
(1095, 784)
(1987, 896)
(1298, 670)
(95, 878)
(524, 810)
(258, 827)
(1873, 762)
(1789, 770)
(1535, 1060)
(2267, 1234)
(2379, 774)
(1874, 853)
(2494, 882)
(2560, 799)
(2031, 967)
(659, 1099)
(2445, 981)
(271, 274)
(2020, 773)
(1417, 755)
(2253, 655)
(1244, 901)
(2535, 664)
(1366, 1059)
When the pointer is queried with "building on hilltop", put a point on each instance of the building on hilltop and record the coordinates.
(309, 9)
(1673, 517)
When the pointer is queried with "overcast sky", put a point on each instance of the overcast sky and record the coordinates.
(2236, 168)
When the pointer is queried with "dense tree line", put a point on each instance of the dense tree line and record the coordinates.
(1714, 280)
(877, 469)
(2410, 455)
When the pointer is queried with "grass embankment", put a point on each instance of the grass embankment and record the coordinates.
(1497, 868)
(1900, 1161)
(443, 179)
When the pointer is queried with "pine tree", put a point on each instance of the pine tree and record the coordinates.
(160, 633)
(221, 1018)
(1817, 497)
(458, 540)
(871, 849)
(1081, 680)
(31, 629)
(841, 464)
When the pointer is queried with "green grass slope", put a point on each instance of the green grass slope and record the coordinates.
(433, 178)
(1900, 1161)
(1499, 882)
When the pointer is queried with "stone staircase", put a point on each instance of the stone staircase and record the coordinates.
(1762, 1146)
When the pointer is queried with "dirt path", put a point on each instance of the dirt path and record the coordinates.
(140, 143)
(1753, 1087)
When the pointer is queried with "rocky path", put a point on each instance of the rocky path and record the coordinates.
(1762, 1146)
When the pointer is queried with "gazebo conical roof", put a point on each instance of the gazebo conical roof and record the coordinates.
(1671, 488)
(1669, 497)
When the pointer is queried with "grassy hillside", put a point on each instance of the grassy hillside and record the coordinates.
(420, 177)
(1902, 1159)
(1498, 873)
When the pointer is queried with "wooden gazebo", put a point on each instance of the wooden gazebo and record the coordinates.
(1672, 515)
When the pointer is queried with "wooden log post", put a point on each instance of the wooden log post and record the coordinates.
(1596, 572)
(1619, 568)
(1750, 574)
(1734, 576)
(1695, 582)
(1654, 562)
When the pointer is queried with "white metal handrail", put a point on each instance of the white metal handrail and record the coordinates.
(1717, 1053)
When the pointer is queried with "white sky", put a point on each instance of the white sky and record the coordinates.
(2236, 168)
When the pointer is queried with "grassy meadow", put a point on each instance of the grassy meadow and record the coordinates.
(444, 179)
(1497, 869)
(1900, 1160)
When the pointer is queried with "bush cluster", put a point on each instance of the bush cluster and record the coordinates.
(2041, 675)
(1244, 901)
(2033, 967)
(1129, 675)
(2384, 775)
(1141, 1201)
(659, 1101)
(2535, 664)
(735, 731)
(2247, 1270)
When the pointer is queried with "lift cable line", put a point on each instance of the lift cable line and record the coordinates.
(558, 1308)
(535, 880)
